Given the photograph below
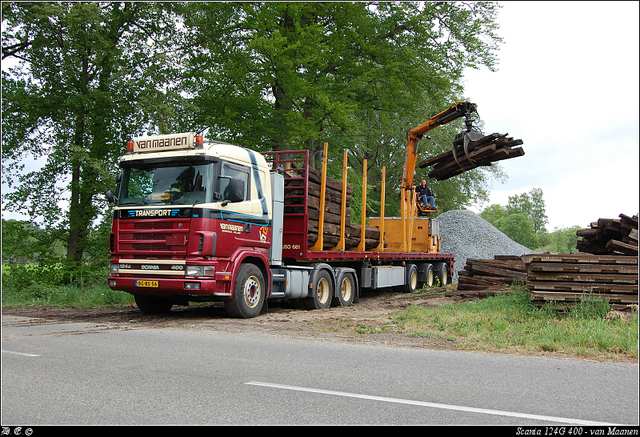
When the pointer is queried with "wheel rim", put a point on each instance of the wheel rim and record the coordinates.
(414, 279)
(430, 278)
(445, 278)
(324, 292)
(346, 289)
(252, 292)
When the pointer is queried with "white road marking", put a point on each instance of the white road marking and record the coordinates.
(20, 353)
(431, 404)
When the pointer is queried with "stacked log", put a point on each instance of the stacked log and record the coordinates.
(568, 278)
(610, 236)
(481, 152)
(487, 277)
(332, 211)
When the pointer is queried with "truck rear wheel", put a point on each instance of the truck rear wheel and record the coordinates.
(153, 304)
(248, 292)
(431, 279)
(442, 273)
(346, 290)
(322, 292)
(411, 279)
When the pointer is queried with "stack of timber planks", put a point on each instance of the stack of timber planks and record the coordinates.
(487, 277)
(567, 278)
(332, 213)
(481, 152)
(610, 236)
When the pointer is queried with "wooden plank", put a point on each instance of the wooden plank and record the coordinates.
(583, 277)
(501, 272)
(580, 258)
(498, 263)
(335, 184)
(596, 234)
(583, 268)
(593, 247)
(576, 297)
(627, 249)
(481, 281)
(508, 258)
(483, 152)
(370, 231)
(592, 287)
(329, 217)
(463, 160)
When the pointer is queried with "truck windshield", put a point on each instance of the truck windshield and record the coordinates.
(162, 185)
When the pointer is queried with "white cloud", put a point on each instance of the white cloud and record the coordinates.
(567, 85)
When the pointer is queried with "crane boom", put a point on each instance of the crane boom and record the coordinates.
(454, 112)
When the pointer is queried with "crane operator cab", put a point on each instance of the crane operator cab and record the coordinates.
(425, 199)
(424, 210)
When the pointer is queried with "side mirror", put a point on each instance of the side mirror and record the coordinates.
(111, 198)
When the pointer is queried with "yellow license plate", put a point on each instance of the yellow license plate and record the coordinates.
(153, 284)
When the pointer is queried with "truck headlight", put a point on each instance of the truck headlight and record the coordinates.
(193, 270)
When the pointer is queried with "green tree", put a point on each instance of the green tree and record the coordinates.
(268, 75)
(493, 213)
(561, 240)
(532, 205)
(524, 220)
(518, 227)
(86, 74)
(359, 75)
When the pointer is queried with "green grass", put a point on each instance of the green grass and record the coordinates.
(30, 285)
(65, 296)
(511, 323)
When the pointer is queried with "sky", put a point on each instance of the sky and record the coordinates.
(567, 85)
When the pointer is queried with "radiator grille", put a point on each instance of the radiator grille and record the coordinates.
(159, 237)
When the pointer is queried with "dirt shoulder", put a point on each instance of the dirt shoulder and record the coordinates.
(354, 323)
(367, 322)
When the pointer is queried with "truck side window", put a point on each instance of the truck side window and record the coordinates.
(233, 171)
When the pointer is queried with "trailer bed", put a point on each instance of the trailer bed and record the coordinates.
(296, 247)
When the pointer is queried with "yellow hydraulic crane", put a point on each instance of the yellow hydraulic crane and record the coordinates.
(455, 111)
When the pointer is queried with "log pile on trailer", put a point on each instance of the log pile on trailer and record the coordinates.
(481, 152)
(610, 236)
(568, 278)
(294, 186)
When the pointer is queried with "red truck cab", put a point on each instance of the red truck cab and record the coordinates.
(188, 214)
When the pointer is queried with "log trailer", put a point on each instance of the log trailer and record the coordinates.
(199, 220)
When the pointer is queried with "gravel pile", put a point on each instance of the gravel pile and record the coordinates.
(467, 235)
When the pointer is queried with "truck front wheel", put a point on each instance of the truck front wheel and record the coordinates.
(248, 292)
(153, 304)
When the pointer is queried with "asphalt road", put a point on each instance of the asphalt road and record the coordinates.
(85, 374)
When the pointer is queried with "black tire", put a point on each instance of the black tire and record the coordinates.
(322, 292)
(431, 279)
(345, 290)
(442, 273)
(248, 292)
(152, 304)
(411, 279)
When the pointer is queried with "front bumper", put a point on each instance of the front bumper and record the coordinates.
(171, 287)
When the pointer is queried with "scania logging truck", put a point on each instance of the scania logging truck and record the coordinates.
(203, 220)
